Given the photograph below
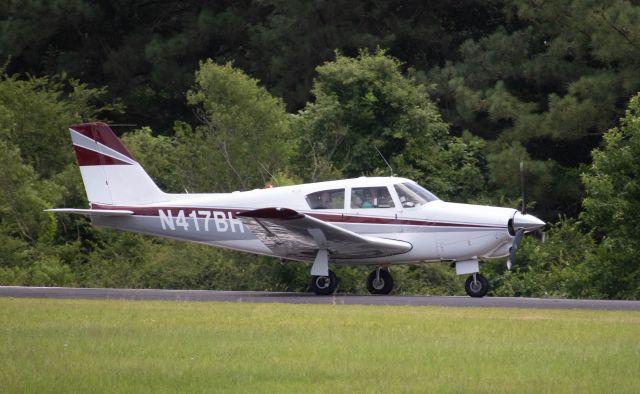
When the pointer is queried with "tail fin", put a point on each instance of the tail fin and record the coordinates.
(110, 173)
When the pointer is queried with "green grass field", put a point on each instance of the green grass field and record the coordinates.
(141, 346)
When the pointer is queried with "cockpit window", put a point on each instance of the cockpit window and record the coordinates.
(326, 199)
(413, 195)
(371, 197)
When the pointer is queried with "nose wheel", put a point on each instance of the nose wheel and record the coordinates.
(380, 281)
(476, 286)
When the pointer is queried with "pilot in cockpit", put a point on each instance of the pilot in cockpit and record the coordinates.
(370, 198)
(375, 197)
(324, 200)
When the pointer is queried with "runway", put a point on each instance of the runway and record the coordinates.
(307, 298)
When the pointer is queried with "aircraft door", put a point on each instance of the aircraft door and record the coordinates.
(414, 223)
(371, 209)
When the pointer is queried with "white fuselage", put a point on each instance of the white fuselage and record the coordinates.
(437, 230)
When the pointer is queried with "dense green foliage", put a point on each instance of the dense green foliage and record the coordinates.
(454, 96)
(612, 207)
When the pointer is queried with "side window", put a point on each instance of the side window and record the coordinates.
(326, 199)
(371, 197)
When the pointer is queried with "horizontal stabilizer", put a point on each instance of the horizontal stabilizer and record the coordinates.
(92, 212)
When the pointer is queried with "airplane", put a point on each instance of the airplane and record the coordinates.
(379, 221)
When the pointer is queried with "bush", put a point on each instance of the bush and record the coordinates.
(553, 268)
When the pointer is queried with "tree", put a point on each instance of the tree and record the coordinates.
(366, 108)
(295, 37)
(145, 51)
(23, 197)
(557, 267)
(35, 114)
(245, 130)
(26, 232)
(552, 78)
(612, 207)
(37, 247)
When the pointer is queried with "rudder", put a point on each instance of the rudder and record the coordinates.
(110, 173)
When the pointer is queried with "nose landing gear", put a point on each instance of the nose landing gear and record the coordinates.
(476, 285)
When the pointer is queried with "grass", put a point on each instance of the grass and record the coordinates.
(140, 346)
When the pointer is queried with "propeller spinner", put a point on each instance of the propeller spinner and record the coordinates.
(518, 226)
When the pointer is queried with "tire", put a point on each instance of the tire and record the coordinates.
(384, 286)
(324, 285)
(479, 288)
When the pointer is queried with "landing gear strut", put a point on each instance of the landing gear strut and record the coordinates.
(324, 285)
(476, 286)
(380, 281)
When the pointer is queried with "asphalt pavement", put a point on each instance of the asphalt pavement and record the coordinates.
(308, 298)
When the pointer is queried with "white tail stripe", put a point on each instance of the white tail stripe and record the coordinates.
(88, 143)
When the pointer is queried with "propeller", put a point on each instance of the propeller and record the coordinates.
(521, 223)
(514, 248)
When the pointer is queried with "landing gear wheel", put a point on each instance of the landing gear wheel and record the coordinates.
(476, 286)
(380, 281)
(324, 285)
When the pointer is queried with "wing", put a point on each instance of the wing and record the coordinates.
(297, 236)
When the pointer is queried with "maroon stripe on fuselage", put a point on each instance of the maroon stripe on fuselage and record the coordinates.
(407, 222)
(325, 217)
(154, 211)
(88, 157)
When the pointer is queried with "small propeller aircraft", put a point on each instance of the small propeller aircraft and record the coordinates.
(379, 221)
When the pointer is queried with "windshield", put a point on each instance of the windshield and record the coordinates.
(413, 195)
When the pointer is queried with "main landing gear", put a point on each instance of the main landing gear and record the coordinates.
(380, 281)
(324, 285)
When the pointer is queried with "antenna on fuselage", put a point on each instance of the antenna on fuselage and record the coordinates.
(267, 171)
(522, 185)
(122, 125)
(385, 160)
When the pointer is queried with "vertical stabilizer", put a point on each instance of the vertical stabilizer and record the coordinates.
(110, 173)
